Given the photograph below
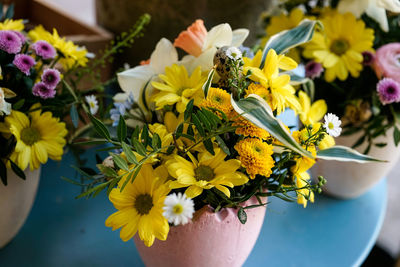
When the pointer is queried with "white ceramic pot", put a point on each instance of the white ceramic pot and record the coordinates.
(16, 200)
(351, 180)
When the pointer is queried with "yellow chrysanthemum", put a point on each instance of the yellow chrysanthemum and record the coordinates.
(140, 207)
(205, 173)
(311, 113)
(72, 55)
(247, 128)
(178, 88)
(339, 48)
(303, 194)
(39, 137)
(219, 99)
(261, 91)
(14, 25)
(256, 156)
(282, 93)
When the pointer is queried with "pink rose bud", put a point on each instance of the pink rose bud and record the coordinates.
(387, 61)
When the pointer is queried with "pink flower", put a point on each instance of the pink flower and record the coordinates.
(387, 61)
(193, 38)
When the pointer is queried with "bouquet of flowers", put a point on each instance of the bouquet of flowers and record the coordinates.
(202, 131)
(353, 61)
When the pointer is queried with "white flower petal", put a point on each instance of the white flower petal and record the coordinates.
(357, 7)
(379, 15)
(218, 36)
(164, 55)
(239, 36)
(391, 5)
(133, 80)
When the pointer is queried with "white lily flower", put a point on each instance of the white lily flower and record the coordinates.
(376, 9)
(218, 36)
(5, 107)
(133, 80)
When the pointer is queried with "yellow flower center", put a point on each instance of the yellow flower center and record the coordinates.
(178, 209)
(30, 136)
(180, 91)
(204, 173)
(92, 104)
(340, 46)
(331, 126)
(143, 204)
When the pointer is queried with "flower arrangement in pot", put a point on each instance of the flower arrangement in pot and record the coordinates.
(41, 104)
(353, 64)
(199, 147)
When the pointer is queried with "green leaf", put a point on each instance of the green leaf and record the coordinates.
(100, 128)
(19, 104)
(120, 162)
(188, 110)
(208, 83)
(3, 172)
(360, 141)
(242, 216)
(156, 142)
(89, 143)
(205, 121)
(256, 110)
(222, 144)
(145, 136)
(198, 125)
(179, 130)
(17, 170)
(396, 135)
(121, 129)
(128, 153)
(73, 113)
(380, 144)
(342, 153)
(309, 88)
(143, 96)
(139, 147)
(107, 171)
(132, 177)
(92, 190)
(288, 39)
(209, 146)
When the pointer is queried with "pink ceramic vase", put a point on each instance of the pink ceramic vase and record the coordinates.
(210, 240)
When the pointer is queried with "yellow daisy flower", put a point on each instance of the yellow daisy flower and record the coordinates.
(39, 137)
(178, 87)
(256, 156)
(339, 48)
(219, 99)
(311, 113)
(205, 173)
(261, 91)
(140, 207)
(14, 25)
(282, 93)
(72, 54)
(301, 181)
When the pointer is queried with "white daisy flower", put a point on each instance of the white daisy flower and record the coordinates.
(332, 125)
(178, 209)
(92, 102)
(234, 53)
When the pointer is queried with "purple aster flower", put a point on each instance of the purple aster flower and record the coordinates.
(10, 42)
(44, 49)
(24, 63)
(314, 69)
(388, 91)
(368, 58)
(41, 90)
(21, 36)
(51, 77)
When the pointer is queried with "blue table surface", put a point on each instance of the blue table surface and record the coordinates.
(63, 231)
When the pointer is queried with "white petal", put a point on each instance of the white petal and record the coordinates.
(205, 60)
(218, 36)
(164, 55)
(357, 7)
(391, 5)
(133, 80)
(379, 15)
(238, 36)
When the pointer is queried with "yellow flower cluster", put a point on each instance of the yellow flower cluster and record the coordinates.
(13, 25)
(71, 54)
